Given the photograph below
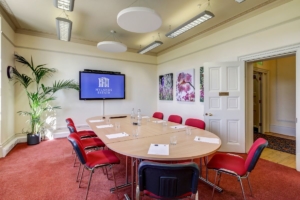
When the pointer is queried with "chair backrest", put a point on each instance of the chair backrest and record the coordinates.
(158, 115)
(168, 180)
(78, 148)
(72, 128)
(175, 119)
(198, 123)
(71, 123)
(254, 153)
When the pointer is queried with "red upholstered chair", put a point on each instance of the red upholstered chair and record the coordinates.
(198, 123)
(83, 133)
(158, 115)
(175, 119)
(168, 181)
(93, 160)
(236, 165)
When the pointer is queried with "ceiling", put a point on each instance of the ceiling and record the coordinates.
(93, 19)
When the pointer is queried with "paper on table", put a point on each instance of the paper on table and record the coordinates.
(159, 121)
(159, 149)
(145, 117)
(96, 120)
(105, 126)
(117, 135)
(206, 139)
(179, 126)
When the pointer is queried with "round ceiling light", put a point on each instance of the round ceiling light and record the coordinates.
(139, 20)
(112, 46)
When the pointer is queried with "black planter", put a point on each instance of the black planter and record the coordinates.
(33, 139)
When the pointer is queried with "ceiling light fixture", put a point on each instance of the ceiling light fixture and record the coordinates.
(150, 47)
(64, 28)
(239, 1)
(202, 17)
(64, 4)
(139, 20)
(112, 46)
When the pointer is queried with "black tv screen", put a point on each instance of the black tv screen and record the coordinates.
(97, 85)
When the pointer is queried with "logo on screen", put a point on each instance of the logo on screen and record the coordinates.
(103, 82)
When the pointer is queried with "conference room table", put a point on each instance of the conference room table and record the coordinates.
(152, 131)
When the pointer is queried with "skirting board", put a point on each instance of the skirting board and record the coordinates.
(283, 130)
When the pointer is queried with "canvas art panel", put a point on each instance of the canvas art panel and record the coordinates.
(201, 84)
(185, 86)
(166, 87)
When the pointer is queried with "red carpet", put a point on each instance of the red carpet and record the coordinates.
(46, 171)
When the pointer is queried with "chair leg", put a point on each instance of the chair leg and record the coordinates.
(214, 187)
(249, 185)
(75, 158)
(219, 179)
(240, 180)
(78, 172)
(81, 177)
(89, 183)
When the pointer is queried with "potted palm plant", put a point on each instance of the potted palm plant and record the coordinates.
(39, 96)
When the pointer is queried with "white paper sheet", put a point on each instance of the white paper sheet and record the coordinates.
(178, 126)
(159, 149)
(117, 135)
(159, 121)
(208, 140)
(145, 117)
(96, 120)
(105, 126)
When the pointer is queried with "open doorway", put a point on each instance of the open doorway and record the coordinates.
(274, 107)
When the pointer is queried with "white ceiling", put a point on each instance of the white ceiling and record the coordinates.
(93, 19)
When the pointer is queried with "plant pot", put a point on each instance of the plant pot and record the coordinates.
(33, 139)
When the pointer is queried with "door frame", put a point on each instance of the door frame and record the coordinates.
(281, 51)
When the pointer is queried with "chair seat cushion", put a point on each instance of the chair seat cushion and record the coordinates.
(229, 162)
(98, 158)
(86, 133)
(92, 142)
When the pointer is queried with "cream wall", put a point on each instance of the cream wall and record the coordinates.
(266, 31)
(69, 59)
(7, 87)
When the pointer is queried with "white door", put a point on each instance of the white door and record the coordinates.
(224, 103)
(297, 110)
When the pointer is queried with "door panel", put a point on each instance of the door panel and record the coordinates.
(224, 103)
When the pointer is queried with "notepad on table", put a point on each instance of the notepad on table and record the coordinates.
(117, 135)
(159, 149)
(178, 126)
(159, 121)
(105, 126)
(96, 120)
(208, 140)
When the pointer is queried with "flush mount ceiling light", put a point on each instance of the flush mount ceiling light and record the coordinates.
(64, 28)
(112, 46)
(202, 17)
(150, 47)
(67, 5)
(239, 1)
(139, 20)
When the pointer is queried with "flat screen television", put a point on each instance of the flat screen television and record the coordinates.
(98, 86)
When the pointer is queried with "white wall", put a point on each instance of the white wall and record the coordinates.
(7, 87)
(69, 59)
(266, 31)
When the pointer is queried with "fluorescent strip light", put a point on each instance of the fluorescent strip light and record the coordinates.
(150, 47)
(64, 4)
(64, 28)
(202, 17)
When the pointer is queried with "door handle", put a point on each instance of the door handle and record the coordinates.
(209, 114)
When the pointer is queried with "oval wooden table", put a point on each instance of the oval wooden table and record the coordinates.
(152, 131)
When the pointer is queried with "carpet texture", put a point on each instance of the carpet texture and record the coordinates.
(279, 144)
(46, 172)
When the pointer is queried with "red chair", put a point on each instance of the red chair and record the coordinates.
(175, 119)
(236, 165)
(198, 123)
(93, 160)
(168, 181)
(158, 115)
(83, 133)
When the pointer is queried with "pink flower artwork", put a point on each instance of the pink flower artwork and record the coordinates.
(185, 89)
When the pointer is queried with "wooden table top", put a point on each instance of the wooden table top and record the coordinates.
(153, 133)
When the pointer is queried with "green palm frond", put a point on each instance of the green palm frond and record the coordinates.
(64, 84)
(23, 79)
(22, 60)
(25, 113)
(42, 72)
